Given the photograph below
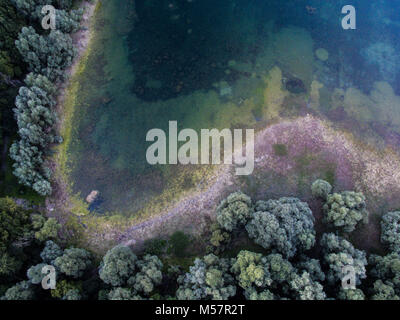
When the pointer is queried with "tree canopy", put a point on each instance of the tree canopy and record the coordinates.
(285, 226)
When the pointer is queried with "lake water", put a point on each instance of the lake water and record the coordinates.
(224, 64)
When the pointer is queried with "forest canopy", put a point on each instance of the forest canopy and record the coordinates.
(283, 263)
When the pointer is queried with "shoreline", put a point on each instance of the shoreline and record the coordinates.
(354, 161)
(65, 109)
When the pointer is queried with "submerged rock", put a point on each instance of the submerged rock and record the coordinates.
(322, 54)
(295, 85)
(226, 91)
(92, 196)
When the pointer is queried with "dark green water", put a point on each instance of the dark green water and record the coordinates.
(207, 64)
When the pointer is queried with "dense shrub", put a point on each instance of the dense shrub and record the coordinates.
(155, 246)
(179, 241)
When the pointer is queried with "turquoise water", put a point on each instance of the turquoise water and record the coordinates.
(208, 64)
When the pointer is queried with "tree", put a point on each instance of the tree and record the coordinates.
(149, 275)
(234, 211)
(305, 288)
(321, 189)
(11, 71)
(345, 210)
(273, 277)
(351, 294)
(35, 120)
(49, 230)
(74, 262)
(65, 286)
(44, 228)
(46, 55)
(34, 80)
(386, 269)
(209, 278)
(122, 294)
(312, 267)
(38, 221)
(281, 270)
(253, 294)
(390, 234)
(30, 7)
(35, 274)
(8, 265)
(250, 270)
(218, 241)
(21, 291)
(383, 291)
(118, 266)
(43, 187)
(63, 4)
(338, 253)
(14, 223)
(72, 294)
(285, 226)
(34, 116)
(68, 22)
(50, 252)
(29, 165)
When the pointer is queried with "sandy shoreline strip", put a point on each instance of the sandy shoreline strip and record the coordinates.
(81, 41)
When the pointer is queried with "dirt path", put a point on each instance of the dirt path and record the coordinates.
(190, 211)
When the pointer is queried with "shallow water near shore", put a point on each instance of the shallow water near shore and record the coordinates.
(225, 64)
